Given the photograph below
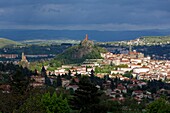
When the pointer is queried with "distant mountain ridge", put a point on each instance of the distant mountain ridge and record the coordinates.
(103, 36)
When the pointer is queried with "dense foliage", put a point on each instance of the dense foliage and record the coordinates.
(86, 97)
(45, 103)
(159, 106)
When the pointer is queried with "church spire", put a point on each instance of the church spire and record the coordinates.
(130, 47)
(24, 59)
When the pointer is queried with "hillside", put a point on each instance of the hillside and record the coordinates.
(155, 39)
(6, 42)
(144, 40)
(79, 53)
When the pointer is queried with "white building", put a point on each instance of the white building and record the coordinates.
(141, 70)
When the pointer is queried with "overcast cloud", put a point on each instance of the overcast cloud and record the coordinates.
(85, 14)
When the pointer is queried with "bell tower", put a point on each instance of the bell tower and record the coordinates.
(130, 47)
(24, 59)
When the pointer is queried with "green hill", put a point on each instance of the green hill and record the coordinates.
(6, 42)
(73, 55)
(79, 53)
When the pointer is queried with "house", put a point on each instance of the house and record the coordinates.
(114, 94)
(117, 90)
(135, 60)
(124, 69)
(138, 93)
(107, 91)
(131, 86)
(141, 84)
(5, 88)
(141, 70)
(74, 87)
(65, 82)
(60, 71)
(134, 66)
(37, 81)
(13, 56)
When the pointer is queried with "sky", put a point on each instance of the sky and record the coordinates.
(103, 15)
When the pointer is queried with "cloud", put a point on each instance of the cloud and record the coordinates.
(85, 14)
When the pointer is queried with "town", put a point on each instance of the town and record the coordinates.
(89, 56)
(126, 75)
(122, 77)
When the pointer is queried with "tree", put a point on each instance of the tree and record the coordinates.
(10, 101)
(111, 63)
(54, 104)
(47, 81)
(110, 106)
(116, 80)
(92, 76)
(54, 83)
(19, 82)
(32, 105)
(86, 97)
(35, 72)
(112, 86)
(59, 81)
(43, 71)
(132, 106)
(45, 103)
(128, 74)
(69, 74)
(159, 106)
